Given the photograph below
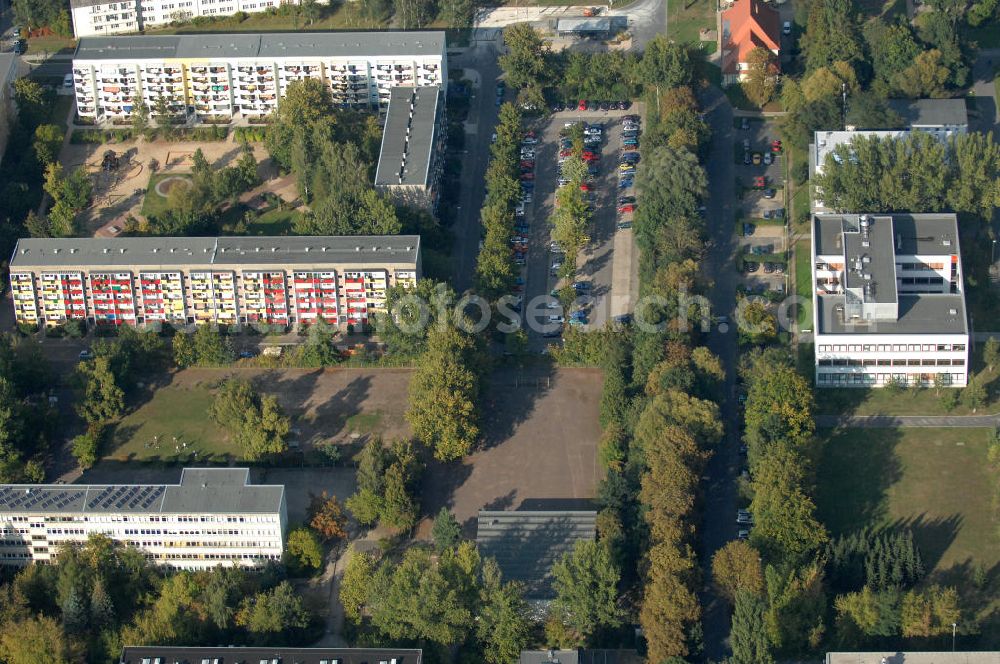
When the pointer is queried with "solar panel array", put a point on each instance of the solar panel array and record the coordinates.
(125, 497)
(27, 497)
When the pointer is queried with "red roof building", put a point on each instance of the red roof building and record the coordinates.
(747, 25)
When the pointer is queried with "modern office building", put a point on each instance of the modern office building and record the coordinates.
(226, 280)
(267, 655)
(409, 162)
(242, 76)
(888, 303)
(109, 17)
(213, 516)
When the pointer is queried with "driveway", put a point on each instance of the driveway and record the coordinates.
(719, 481)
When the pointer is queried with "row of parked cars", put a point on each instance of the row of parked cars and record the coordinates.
(591, 105)
(628, 161)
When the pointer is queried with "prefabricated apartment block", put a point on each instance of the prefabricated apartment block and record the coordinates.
(410, 159)
(242, 76)
(888, 302)
(213, 516)
(227, 280)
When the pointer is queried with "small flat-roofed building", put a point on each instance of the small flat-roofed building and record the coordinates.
(888, 301)
(409, 162)
(213, 516)
(912, 657)
(525, 543)
(583, 656)
(588, 27)
(287, 280)
(267, 655)
(947, 116)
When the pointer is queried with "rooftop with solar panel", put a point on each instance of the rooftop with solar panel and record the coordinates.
(199, 490)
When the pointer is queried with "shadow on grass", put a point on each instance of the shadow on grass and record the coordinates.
(854, 476)
(932, 536)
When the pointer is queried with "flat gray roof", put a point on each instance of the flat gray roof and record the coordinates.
(925, 313)
(265, 45)
(910, 657)
(408, 137)
(200, 491)
(915, 234)
(930, 112)
(602, 24)
(878, 271)
(527, 543)
(222, 251)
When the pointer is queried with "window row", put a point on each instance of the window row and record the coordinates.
(923, 362)
(890, 348)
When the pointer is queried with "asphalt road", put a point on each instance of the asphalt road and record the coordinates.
(483, 115)
(719, 482)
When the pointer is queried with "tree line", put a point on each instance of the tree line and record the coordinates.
(100, 595)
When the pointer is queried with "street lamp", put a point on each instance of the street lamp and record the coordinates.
(954, 626)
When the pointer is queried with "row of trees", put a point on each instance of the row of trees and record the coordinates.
(916, 172)
(571, 219)
(27, 424)
(101, 595)
(495, 269)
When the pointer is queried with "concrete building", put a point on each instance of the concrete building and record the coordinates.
(242, 76)
(266, 655)
(947, 116)
(527, 542)
(888, 303)
(227, 280)
(109, 17)
(582, 656)
(746, 25)
(409, 162)
(214, 516)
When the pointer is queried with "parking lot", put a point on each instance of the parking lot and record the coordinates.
(761, 227)
(606, 260)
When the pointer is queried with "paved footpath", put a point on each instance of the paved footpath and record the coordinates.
(893, 421)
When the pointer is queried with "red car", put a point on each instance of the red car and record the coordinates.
(776, 146)
(585, 187)
(565, 153)
(527, 176)
(759, 182)
(626, 209)
(591, 158)
(529, 134)
(527, 164)
(582, 106)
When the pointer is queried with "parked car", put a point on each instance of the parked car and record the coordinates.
(746, 158)
(776, 146)
(768, 268)
(558, 107)
(623, 225)
(786, 28)
(626, 209)
(750, 267)
(745, 124)
(744, 517)
(746, 143)
(631, 157)
(748, 229)
(625, 183)
(756, 158)
(625, 200)
(743, 534)
(767, 159)
(85, 354)
(555, 318)
(582, 106)
(68, 81)
(769, 193)
(759, 182)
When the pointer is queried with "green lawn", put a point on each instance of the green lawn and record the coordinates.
(686, 17)
(345, 15)
(173, 412)
(803, 282)
(986, 35)
(933, 481)
(275, 222)
(153, 204)
(50, 45)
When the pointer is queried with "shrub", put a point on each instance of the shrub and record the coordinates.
(86, 446)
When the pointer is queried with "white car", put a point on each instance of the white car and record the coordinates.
(786, 29)
(553, 304)
(555, 248)
(768, 159)
(556, 265)
(555, 318)
(68, 81)
(519, 210)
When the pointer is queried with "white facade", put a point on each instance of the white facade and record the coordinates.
(228, 77)
(212, 517)
(105, 17)
(888, 304)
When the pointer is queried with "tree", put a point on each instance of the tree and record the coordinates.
(747, 635)
(831, 34)
(586, 586)
(503, 624)
(32, 640)
(665, 64)
(736, 568)
(273, 615)
(762, 79)
(926, 77)
(445, 531)
(37, 226)
(103, 400)
(86, 447)
(385, 485)
(443, 394)
(305, 549)
(140, 115)
(785, 525)
(32, 101)
(524, 63)
(47, 143)
(930, 612)
(974, 394)
(256, 423)
(162, 112)
(326, 517)
(355, 585)
(458, 13)
(991, 352)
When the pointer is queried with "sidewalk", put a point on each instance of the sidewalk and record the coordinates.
(894, 421)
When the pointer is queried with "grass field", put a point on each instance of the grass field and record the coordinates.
(272, 222)
(154, 204)
(686, 17)
(933, 481)
(803, 282)
(51, 44)
(174, 412)
(345, 15)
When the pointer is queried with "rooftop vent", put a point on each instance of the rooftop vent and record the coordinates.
(953, 312)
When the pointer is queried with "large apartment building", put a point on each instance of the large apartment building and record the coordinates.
(109, 17)
(213, 516)
(888, 303)
(242, 76)
(226, 280)
(410, 159)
